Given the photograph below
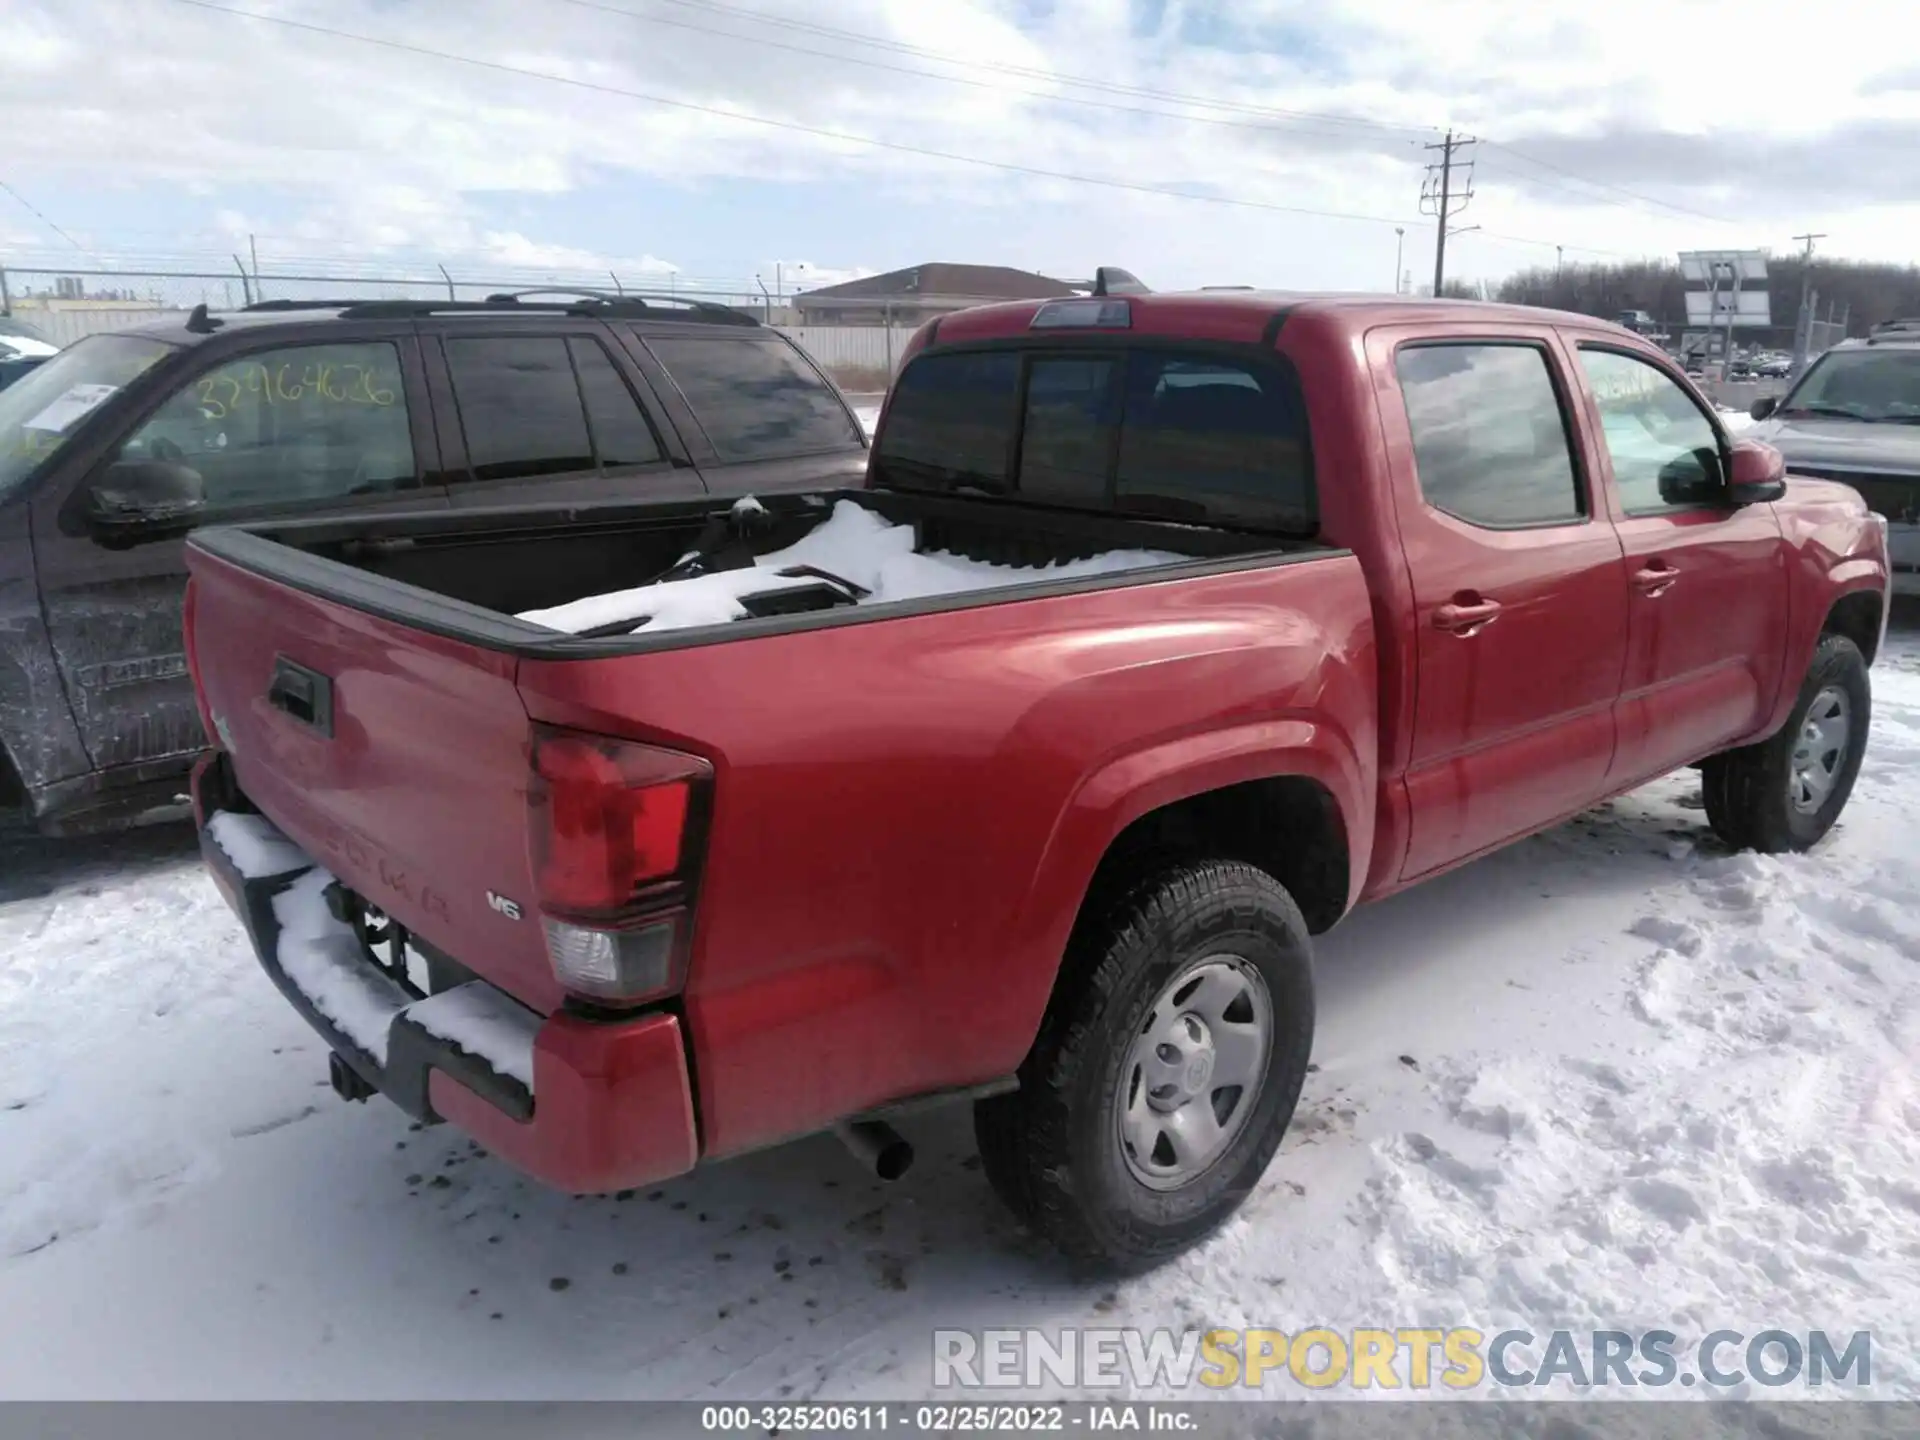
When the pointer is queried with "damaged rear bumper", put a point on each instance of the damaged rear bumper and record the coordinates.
(583, 1105)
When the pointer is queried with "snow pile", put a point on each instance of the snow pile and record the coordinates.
(853, 543)
(1735, 420)
(482, 1021)
(255, 845)
(324, 959)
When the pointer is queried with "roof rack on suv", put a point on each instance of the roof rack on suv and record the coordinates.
(280, 306)
(643, 299)
(585, 302)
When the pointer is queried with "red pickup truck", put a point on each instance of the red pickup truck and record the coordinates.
(1166, 630)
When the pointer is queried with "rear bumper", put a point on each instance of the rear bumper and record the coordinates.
(581, 1105)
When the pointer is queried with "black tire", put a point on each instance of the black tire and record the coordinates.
(1051, 1149)
(1747, 790)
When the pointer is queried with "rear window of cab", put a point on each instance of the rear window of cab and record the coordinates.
(1164, 433)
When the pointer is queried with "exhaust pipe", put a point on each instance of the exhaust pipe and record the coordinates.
(878, 1146)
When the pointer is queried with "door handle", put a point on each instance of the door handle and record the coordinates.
(304, 694)
(1464, 619)
(1654, 579)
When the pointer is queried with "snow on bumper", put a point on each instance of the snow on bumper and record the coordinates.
(582, 1105)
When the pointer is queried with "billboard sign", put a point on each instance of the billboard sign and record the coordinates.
(1727, 288)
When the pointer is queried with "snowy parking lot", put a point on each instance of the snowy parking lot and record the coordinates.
(1612, 1077)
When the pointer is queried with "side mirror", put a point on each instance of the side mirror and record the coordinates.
(135, 502)
(1759, 473)
(1693, 478)
(1764, 406)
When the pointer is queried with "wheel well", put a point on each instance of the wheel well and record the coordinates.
(1856, 616)
(1288, 826)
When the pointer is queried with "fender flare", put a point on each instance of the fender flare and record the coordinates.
(1126, 787)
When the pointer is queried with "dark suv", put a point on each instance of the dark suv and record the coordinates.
(111, 451)
(1855, 417)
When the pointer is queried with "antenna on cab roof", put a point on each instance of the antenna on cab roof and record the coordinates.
(1112, 280)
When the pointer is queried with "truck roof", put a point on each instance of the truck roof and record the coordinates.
(1256, 315)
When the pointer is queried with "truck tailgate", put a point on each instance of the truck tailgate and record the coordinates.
(398, 759)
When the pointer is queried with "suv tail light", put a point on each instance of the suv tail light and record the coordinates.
(614, 830)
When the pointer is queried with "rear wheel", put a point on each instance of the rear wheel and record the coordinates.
(1786, 792)
(1165, 1072)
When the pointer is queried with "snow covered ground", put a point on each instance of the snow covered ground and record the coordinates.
(1612, 1077)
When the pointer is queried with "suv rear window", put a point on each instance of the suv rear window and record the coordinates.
(756, 399)
(1153, 432)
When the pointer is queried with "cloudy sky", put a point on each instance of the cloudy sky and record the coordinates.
(1271, 142)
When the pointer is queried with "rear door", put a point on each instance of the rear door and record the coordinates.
(768, 417)
(1707, 583)
(334, 423)
(548, 415)
(1520, 604)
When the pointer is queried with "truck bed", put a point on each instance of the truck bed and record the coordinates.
(474, 576)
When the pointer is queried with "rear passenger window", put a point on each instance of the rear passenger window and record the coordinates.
(1152, 432)
(1214, 438)
(950, 423)
(756, 399)
(621, 434)
(520, 407)
(1066, 442)
(1489, 438)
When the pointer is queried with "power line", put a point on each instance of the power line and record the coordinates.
(843, 136)
(1606, 185)
(1031, 72)
(31, 210)
(1056, 77)
(1272, 126)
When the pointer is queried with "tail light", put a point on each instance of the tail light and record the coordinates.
(614, 837)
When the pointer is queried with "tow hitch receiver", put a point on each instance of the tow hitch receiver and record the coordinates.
(347, 1081)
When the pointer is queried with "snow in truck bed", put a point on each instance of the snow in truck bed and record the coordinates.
(852, 543)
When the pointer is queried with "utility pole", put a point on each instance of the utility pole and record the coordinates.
(1803, 323)
(1399, 249)
(1440, 198)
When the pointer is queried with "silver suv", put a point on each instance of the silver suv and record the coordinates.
(1855, 417)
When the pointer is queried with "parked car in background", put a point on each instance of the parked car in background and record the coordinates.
(114, 449)
(1855, 417)
(1167, 629)
(21, 349)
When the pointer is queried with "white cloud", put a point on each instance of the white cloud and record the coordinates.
(372, 151)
